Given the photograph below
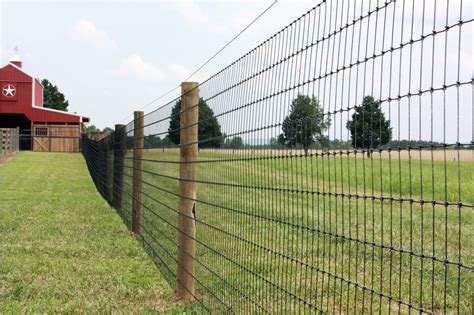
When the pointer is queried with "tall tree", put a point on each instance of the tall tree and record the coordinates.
(53, 98)
(369, 129)
(152, 141)
(107, 130)
(209, 130)
(93, 132)
(92, 129)
(234, 143)
(305, 125)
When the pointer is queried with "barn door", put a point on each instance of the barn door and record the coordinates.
(41, 144)
(56, 138)
(41, 139)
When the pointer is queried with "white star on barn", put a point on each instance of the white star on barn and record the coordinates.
(9, 90)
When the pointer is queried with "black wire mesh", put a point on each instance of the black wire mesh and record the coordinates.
(335, 169)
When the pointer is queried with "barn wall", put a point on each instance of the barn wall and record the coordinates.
(22, 102)
(38, 94)
(56, 138)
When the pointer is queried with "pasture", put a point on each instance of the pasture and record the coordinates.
(343, 233)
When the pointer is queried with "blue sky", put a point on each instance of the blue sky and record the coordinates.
(111, 58)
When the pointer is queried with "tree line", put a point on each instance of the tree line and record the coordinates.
(304, 127)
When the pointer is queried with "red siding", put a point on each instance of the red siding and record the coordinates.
(22, 102)
(38, 94)
(9, 72)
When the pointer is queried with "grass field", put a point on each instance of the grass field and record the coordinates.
(283, 234)
(64, 250)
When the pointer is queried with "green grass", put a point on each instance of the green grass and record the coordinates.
(260, 218)
(64, 250)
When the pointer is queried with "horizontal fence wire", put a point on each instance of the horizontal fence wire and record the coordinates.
(335, 169)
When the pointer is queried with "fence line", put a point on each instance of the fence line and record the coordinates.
(333, 171)
(9, 142)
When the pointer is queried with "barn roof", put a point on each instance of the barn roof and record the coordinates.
(54, 116)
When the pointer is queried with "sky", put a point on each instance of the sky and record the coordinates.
(113, 57)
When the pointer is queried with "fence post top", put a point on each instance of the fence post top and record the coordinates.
(138, 113)
(118, 126)
(189, 85)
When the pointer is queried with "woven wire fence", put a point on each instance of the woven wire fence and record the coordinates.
(335, 167)
(9, 140)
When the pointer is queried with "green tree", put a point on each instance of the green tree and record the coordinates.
(166, 142)
(53, 98)
(152, 141)
(92, 129)
(209, 130)
(274, 142)
(234, 143)
(305, 125)
(107, 130)
(93, 132)
(369, 129)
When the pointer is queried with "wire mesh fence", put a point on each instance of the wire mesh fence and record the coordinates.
(334, 171)
(9, 143)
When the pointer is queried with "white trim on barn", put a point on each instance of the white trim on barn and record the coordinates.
(56, 111)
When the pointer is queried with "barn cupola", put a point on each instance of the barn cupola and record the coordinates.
(16, 60)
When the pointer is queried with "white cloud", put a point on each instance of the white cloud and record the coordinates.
(182, 72)
(179, 70)
(239, 22)
(134, 66)
(191, 11)
(87, 32)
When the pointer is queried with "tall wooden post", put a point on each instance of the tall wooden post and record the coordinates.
(189, 118)
(137, 172)
(120, 147)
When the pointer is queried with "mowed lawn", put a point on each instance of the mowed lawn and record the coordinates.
(63, 249)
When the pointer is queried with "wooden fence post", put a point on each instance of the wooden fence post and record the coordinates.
(137, 172)
(120, 146)
(189, 118)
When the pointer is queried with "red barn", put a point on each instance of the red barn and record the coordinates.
(21, 105)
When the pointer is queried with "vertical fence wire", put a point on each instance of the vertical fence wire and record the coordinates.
(9, 143)
(335, 167)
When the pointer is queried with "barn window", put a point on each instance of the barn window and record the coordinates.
(41, 131)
